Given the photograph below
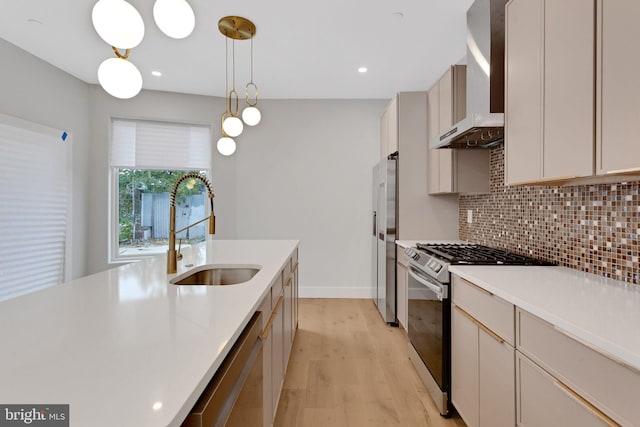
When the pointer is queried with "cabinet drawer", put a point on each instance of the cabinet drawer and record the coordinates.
(490, 310)
(276, 290)
(544, 401)
(608, 385)
(400, 256)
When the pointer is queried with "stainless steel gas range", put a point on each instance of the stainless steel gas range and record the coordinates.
(429, 296)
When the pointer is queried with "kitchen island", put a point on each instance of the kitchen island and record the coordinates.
(125, 346)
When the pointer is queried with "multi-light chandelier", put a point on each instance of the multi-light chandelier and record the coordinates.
(120, 25)
(236, 28)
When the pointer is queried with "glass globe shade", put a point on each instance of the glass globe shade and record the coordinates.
(251, 116)
(118, 23)
(175, 18)
(232, 126)
(120, 78)
(226, 146)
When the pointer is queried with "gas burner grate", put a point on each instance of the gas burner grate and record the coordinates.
(476, 254)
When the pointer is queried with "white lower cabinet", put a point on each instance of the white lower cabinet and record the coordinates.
(544, 401)
(482, 374)
(280, 321)
(544, 377)
(402, 291)
(497, 381)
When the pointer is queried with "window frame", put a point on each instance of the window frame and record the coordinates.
(113, 240)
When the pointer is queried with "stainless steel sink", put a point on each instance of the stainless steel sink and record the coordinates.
(216, 275)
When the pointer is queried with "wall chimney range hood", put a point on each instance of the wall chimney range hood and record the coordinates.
(483, 127)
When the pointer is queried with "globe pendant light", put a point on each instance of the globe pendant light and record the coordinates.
(119, 77)
(226, 146)
(118, 23)
(235, 28)
(232, 125)
(175, 18)
(251, 115)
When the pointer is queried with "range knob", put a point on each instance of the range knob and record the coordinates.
(415, 256)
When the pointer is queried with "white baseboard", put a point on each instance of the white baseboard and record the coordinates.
(335, 292)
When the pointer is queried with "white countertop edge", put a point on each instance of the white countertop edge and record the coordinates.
(610, 349)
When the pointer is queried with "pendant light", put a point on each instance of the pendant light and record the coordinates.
(119, 77)
(118, 23)
(251, 115)
(226, 145)
(175, 18)
(232, 125)
(234, 28)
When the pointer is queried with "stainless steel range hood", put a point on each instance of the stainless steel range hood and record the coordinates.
(484, 124)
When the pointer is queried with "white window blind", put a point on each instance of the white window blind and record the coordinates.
(35, 193)
(159, 145)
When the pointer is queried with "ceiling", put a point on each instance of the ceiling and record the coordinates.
(302, 49)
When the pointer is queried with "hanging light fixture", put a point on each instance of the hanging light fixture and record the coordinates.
(234, 28)
(119, 77)
(175, 18)
(251, 115)
(118, 23)
(226, 145)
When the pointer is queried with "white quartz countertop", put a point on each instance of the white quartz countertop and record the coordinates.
(125, 347)
(600, 312)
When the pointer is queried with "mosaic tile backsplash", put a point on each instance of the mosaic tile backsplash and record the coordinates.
(592, 228)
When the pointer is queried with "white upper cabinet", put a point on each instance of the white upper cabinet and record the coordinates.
(449, 170)
(572, 90)
(549, 119)
(618, 86)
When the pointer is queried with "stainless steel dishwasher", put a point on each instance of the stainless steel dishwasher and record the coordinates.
(233, 397)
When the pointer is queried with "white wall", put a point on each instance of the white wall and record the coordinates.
(305, 173)
(34, 90)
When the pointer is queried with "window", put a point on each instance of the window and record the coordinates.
(35, 197)
(146, 160)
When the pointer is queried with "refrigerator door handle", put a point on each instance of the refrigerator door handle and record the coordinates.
(374, 223)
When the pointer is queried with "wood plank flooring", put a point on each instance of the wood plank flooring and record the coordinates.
(349, 369)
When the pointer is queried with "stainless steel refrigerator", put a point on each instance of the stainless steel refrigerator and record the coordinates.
(385, 207)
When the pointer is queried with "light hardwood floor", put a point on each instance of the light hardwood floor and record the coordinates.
(349, 369)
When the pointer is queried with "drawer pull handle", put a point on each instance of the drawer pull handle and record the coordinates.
(588, 406)
(483, 290)
(267, 328)
(480, 325)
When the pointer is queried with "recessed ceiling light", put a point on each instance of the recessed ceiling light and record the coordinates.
(156, 73)
(363, 69)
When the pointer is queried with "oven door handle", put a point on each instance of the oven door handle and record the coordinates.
(440, 291)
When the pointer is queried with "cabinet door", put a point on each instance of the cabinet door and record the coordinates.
(618, 86)
(392, 118)
(569, 57)
(433, 132)
(446, 120)
(497, 382)
(267, 339)
(464, 368)
(544, 401)
(402, 281)
(523, 112)
(287, 313)
(277, 354)
(384, 135)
